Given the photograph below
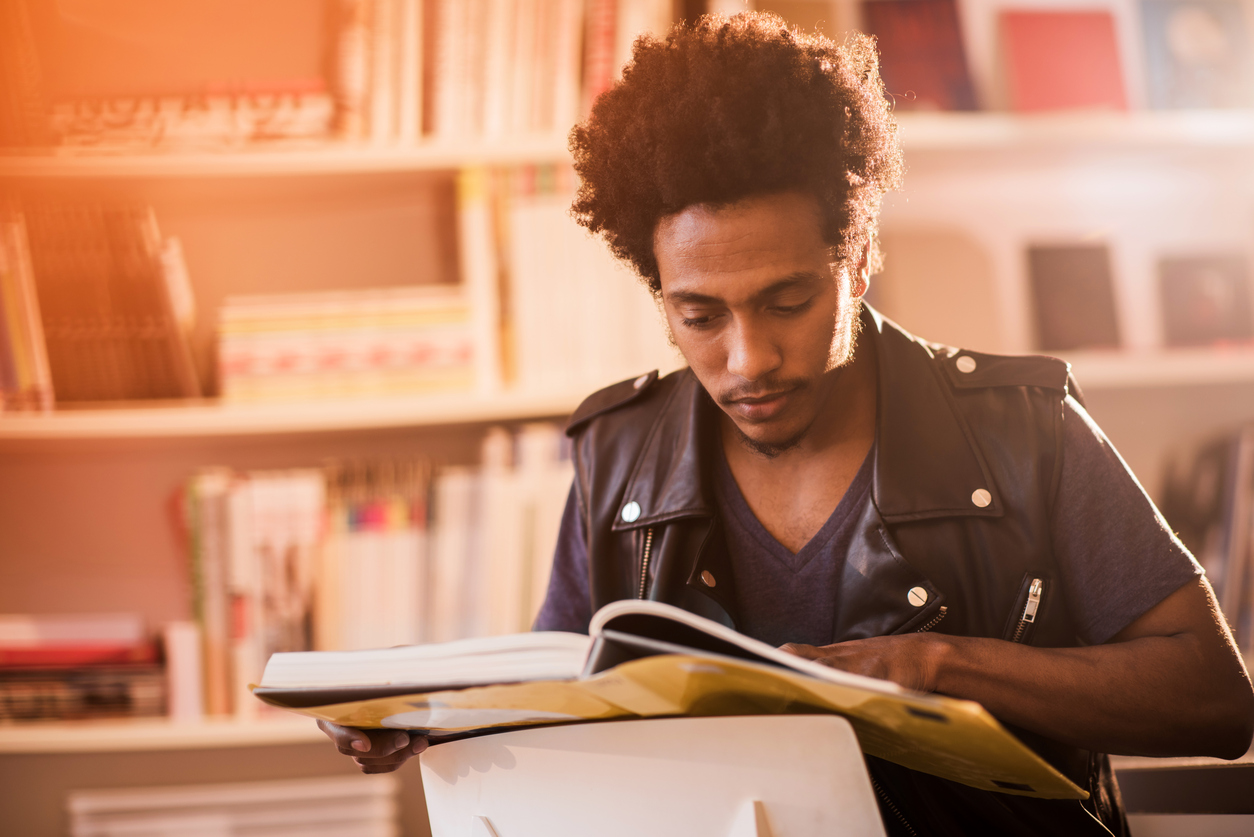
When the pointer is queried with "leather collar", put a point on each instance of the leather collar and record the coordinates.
(926, 462)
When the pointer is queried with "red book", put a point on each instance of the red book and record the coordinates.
(72, 656)
(922, 59)
(1066, 60)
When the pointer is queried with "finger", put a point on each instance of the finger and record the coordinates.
(800, 649)
(419, 744)
(347, 739)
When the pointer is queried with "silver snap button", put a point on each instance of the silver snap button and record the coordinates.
(917, 596)
(708, 578)
(631, 512)
(981, 497)
(966, 363)
(639, 382)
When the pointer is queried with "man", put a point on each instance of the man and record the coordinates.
(819, 479)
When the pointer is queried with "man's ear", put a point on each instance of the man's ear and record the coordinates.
(862, 280)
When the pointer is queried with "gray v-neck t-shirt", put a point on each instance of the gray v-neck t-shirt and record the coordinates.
(782, 597)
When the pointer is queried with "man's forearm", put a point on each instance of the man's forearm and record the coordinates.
(1152, 696)
(1171, 683)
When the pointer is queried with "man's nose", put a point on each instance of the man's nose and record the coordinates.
(753, 353)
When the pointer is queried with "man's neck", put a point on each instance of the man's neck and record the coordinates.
(794, 492)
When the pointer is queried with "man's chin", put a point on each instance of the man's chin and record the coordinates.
(769, 446)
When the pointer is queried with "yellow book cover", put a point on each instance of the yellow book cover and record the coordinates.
(470, 687)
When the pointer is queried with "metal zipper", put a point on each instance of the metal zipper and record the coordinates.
(880, 792)
(1029, 609)
(935, 620)
(644, 561)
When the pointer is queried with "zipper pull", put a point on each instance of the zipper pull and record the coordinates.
(1034, 601)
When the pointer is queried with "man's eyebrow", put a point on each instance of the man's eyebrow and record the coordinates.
(787, 283)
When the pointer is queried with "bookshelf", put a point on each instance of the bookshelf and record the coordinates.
(920, 132)
(212, 418)
(153, 734)
(294, 161)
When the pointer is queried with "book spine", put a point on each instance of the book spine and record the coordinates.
(352, 68)
(23, 109)
(383, 71)
(410, 83)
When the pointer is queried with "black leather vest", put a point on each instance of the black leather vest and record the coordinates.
(966, 468)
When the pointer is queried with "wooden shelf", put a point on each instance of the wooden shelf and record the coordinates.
(282, 161)
(1172, 367)
(1094, 370)
(208, 418)
(153, 734)
(988, 131)
(920, 132)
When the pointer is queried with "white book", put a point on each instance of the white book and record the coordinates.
(526, 27)
(247, 654)
(499, 67)
(453, 500)
(409, 72)
(383, 61)
(568, 54)
(477, 246)
(500, 598)
(448, 66)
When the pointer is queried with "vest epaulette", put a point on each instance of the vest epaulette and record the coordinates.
(610, 398)
(966, 369)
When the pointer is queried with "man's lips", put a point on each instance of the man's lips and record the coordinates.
(759, 407)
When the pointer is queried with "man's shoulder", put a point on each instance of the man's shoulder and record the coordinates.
(626, 400)
(967, 369)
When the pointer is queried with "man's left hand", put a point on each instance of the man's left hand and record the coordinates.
(908, 660)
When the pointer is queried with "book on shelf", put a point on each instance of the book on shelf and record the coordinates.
(78, 665)
(129, 77)
(557, 311)
(109, 318)
(647, 659)
(73, 639)
(1062, 60)
(25, 376)
(366, 553)
(253, 540)
(1073, 297)
(1205, 300)
(23, 94)
(922, 58)
(372, 342)
(1197, 54)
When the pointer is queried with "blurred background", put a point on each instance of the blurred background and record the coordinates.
(291, 314)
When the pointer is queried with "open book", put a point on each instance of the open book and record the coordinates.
(645, 660)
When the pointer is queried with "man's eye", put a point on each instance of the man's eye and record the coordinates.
(695, 322)
(792, 309)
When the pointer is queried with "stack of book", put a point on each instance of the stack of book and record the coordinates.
(253, 540)
(409, 340)
(371, 589)
(493, 532)
(71, 666)
(1195, 54)
(193, 122)
(369, 554)
(113, 300)
(572, 317)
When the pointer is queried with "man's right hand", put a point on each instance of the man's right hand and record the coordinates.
(375, 750)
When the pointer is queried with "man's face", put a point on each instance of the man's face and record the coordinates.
(758, 310)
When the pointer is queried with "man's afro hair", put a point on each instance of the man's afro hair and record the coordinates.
(730, 108)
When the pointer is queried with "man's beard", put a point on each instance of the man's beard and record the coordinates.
(770, 450)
